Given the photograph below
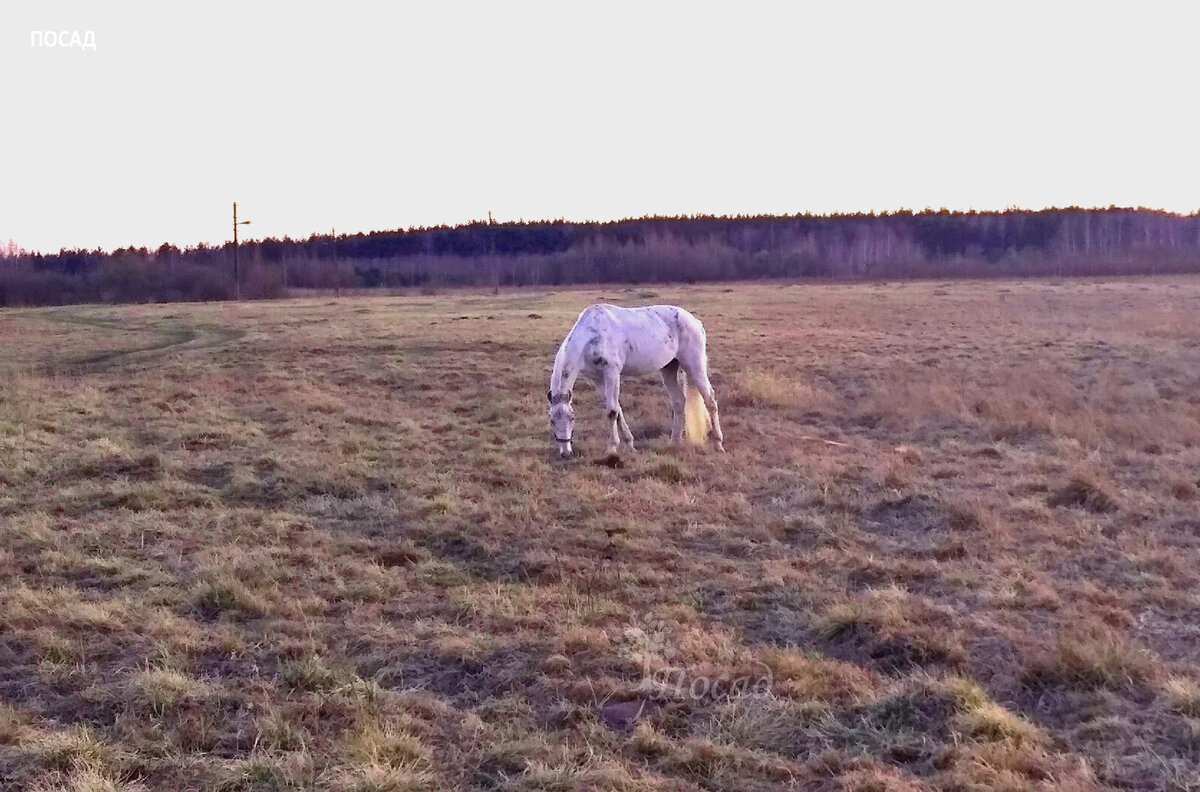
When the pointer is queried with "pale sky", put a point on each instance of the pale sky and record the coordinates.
(367, 116)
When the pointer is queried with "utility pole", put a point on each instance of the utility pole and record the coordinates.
(237, 278)
(337, 265)
(492, 256)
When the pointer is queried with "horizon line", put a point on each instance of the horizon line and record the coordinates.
(864, 213)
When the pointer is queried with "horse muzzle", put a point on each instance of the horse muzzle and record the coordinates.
(564, 447)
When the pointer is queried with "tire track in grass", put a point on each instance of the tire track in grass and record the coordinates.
(172, 335)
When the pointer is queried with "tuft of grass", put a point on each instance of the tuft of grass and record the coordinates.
(12, 725)
(107, 458)
(966, 693)
(87, 778)
(440, 574)
(280, 771)
(33, 529)
(768, 389)
(55, 649)
(1183, 693)
(388, 745)
(384, 778)
(72, 748)
(1012, 766)
(894, 628)
(441, 504)
(649, 740)
(879, 609)
(809, 677)
(670, 471)
(164, 688)
(314, 674)
(582, 639)
(1087, 490)
(1094, 656)
(279, 732)
(991, 721)
(222, 593)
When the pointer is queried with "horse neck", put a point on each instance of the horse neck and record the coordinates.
(566, 366)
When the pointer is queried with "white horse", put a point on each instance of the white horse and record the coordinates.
(608, 341)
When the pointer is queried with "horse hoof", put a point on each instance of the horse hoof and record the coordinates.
(720, 448)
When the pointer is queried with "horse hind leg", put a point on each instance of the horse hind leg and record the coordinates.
(710, 401)
(675, 397)
(696, 368)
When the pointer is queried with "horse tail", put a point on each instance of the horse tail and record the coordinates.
(696, 418)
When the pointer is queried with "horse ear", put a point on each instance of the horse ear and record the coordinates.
(570, 397)
(550, 396)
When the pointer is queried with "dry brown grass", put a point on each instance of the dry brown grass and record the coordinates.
(1095, 655)
(324, 544)
(770, 389)
(1184, 694)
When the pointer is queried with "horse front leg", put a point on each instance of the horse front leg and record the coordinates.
(628, 435)
(611, 388)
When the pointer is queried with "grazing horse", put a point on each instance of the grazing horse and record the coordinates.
(608, 341)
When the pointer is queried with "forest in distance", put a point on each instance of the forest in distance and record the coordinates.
(903, 244)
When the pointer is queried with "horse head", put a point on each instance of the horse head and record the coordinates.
(562, 420)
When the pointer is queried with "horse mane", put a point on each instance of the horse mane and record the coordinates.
(559, 372)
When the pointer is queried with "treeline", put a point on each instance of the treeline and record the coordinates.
(901, 244)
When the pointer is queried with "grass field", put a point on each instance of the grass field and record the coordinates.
(325, 544)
